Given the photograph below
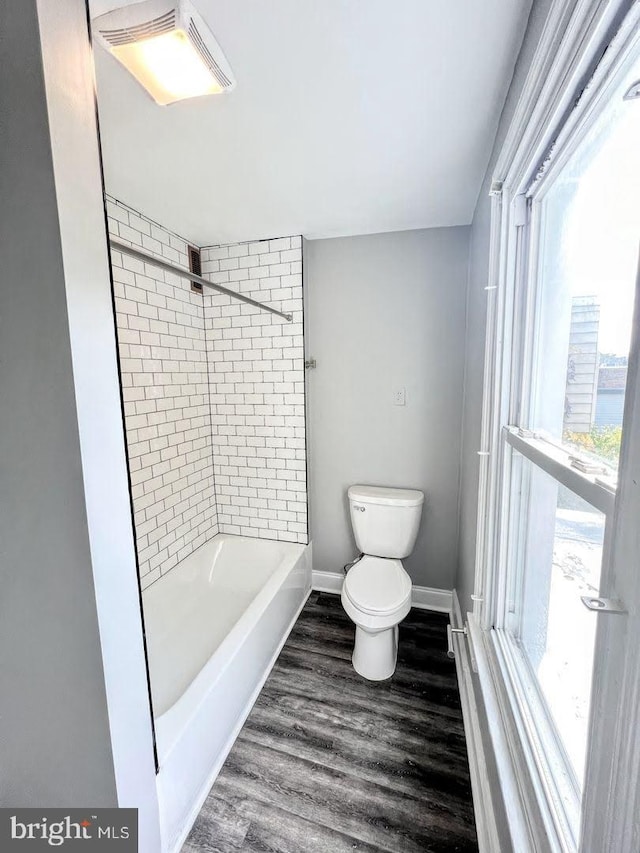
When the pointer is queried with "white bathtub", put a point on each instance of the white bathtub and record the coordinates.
(214, 626)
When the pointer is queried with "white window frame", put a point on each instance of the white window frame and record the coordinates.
(571, 51)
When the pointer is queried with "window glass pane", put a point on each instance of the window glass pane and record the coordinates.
(559, 537)
(587, 264)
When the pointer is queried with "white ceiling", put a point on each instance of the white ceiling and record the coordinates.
(349, 117)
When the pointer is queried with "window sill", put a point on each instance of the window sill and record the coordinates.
(556, 462)
(538, 820)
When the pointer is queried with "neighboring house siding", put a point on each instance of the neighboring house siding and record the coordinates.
(612, 381)
(582, 372)
(609, 408)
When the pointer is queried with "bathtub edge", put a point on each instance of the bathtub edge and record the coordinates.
(177, 838)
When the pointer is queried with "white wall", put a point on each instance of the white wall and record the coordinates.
(387, 311)
(256, 371)
(165, 388)
(213, 392)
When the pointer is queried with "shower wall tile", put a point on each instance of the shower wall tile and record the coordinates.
(256, 370)
(163, 362)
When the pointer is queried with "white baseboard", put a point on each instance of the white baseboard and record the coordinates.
(486, 824)
(428, 598)
(327, 581)
(422, 597)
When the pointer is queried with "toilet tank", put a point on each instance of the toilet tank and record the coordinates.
(385, 521)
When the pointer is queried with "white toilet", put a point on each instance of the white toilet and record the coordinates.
(376, 593)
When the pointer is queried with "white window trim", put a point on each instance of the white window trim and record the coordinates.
(555, 461)
(555, 811)
(574, 37)
(572, 43)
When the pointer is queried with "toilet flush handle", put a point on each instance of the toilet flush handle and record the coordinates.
(352, 563)
(359, 508)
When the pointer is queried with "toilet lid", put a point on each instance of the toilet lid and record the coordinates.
(377, 585)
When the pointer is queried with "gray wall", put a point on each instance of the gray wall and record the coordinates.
(476, 316)
(387, 311)
(54, 742)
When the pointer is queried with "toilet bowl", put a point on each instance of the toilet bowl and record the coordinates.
(376, 593)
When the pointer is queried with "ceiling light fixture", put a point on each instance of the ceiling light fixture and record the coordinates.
(167, 47)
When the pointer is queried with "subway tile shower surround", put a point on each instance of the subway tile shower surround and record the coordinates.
(165, 384)
(256, 369)
(213, 393)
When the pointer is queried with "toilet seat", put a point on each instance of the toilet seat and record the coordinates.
(378, 586)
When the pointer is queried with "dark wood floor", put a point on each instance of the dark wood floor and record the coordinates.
(329, 762)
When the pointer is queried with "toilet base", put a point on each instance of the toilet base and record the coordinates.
(374, 655)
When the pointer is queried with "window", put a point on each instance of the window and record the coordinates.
(558, 538)
(564, 361)
(586, 258)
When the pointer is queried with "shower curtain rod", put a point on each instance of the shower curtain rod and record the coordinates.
(191, 276)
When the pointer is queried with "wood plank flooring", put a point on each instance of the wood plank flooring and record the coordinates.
(328, 762)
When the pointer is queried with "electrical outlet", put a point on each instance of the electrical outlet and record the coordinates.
(399, 398)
